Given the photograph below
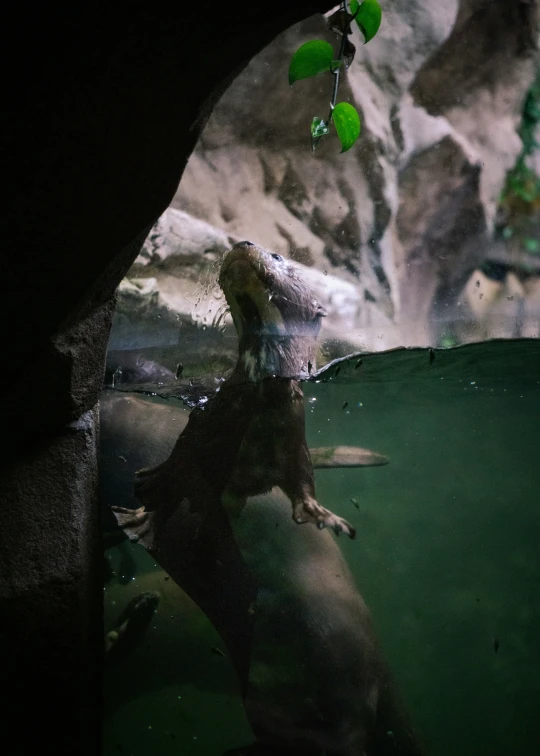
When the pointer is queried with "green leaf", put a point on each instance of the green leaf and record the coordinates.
(368, 17)
(335, 64)
(311, 59)
(319, 128)
(347, 122)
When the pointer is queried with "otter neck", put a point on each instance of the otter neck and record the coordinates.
(265, 356)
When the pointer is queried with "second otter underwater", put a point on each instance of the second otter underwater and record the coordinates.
(233, 518)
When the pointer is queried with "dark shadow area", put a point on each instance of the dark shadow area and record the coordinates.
(106, 103)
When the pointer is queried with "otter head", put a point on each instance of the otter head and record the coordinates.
(276, 316)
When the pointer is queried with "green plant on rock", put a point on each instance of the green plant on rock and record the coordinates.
(318, 57)
(519, 206)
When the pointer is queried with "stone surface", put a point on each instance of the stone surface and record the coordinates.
(51, 591)
(507, 306)
(405, 215)
(440, 226)
(188, 238)
(478, 79)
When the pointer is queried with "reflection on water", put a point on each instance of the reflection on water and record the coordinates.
(446, 556)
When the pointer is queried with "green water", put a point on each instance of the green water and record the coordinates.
(447, 556)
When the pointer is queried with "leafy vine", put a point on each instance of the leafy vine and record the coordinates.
(318, 56)
(519, 207)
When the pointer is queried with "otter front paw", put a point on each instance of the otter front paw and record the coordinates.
(309, 510)
(137, 524)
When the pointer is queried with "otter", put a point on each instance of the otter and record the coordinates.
(230, 516)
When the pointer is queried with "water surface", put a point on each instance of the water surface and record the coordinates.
(447, 556)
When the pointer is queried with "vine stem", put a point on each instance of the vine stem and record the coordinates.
(345, 9)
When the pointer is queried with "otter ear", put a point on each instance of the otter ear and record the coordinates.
(321, 312)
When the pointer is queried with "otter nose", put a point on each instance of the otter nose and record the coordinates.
(245, 244)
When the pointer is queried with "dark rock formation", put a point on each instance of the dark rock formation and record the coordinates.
(106, 104)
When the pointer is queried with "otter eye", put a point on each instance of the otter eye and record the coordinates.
(277, 257)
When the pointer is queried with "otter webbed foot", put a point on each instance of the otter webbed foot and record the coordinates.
(308, 509)
(137, 524)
